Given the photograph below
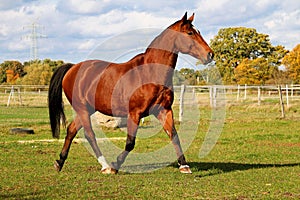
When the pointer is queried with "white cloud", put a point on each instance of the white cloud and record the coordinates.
(286, 20)
(8, 4)
(283, 28)
(73, 26)
(17, 45)
(82, 6)
(211, 5)
(279, 19)
(115, 22)
(4, 30)
(87, 45)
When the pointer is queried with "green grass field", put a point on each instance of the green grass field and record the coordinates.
(256, 157)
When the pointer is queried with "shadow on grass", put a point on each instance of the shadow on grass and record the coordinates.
(203, 169)
(213, 168)
(24, 195)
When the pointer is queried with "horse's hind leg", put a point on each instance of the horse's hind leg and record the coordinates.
(72, 130)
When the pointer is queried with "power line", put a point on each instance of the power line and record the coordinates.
(34, 36)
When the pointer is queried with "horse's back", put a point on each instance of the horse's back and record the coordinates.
(81, 76)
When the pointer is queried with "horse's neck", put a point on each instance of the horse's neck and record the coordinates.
(162, 50)
(161, 57)
(160, 65)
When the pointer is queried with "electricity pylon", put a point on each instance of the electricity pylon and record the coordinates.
(34, 36)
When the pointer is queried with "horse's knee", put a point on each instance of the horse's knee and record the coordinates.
(89, 136)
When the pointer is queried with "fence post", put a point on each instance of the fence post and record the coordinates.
(258, 95)
(238, 93)
(214, 96)
(292, 91)
(194, 94)
(210, 96)
(287, 95)
(11, 95)
(281, 102)
(19, 93)
(245, 92)
(182, 90)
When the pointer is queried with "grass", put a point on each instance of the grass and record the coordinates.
(256, 157)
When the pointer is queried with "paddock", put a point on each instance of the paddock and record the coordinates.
(256, 156)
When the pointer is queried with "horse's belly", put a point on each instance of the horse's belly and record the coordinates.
(110, 100)
(111, 108)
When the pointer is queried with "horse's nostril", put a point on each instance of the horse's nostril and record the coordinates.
(210, 55)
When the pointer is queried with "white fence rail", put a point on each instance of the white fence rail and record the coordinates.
(25, 95)
(35, 95)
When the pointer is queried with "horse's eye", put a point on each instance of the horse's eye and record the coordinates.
(190, 33)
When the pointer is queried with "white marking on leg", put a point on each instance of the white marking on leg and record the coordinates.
(183, 166)
(185, 169)
(103, 162)
(168, 133)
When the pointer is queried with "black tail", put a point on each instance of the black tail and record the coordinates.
(55, 103)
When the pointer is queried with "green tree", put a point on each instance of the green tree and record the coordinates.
(233, 45)
(210, 75)
(178, 79)
(292, 64)
(54, 64)
(189, 75)
(37, 74)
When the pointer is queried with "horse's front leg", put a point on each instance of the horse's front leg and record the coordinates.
(165, 116)
(132, 126)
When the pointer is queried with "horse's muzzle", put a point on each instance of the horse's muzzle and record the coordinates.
(209, 58)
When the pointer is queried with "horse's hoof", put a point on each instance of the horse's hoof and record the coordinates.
(57, 166)
(113, 171)
(109, 171)
(106, 171)
(185, 169)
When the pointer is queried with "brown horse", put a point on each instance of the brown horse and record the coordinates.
(135, 89)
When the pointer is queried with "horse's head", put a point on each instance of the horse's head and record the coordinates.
(189, 41)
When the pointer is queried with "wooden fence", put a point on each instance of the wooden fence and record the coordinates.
(23, 95)
(214, 95)
(283, 95)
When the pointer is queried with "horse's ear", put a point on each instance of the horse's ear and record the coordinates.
(191, 18)
(184, 18)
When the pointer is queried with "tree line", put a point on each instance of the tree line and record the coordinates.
(38, 72)
(242, 56)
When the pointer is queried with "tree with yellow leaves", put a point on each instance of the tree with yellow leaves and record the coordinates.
(292, 64)
(245, 46)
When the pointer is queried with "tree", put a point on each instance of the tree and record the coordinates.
(178, 79)
(54, 64)
(292, 64)
(188, 76)
(280, 77)
(10, 71)
(256, 71)
(209, 76)
(233, 45)
(37, 74)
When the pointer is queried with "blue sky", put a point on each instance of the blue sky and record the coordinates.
(75, 28)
